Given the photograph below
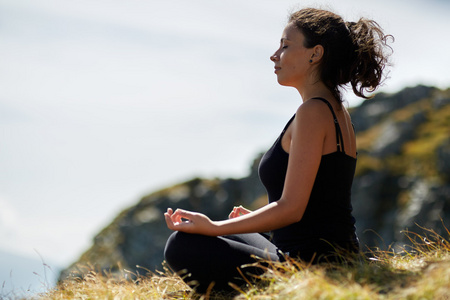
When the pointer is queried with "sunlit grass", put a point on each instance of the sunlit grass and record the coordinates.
(418, 271)
(126, 285)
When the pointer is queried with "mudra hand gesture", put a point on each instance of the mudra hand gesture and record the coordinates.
(238, 211)
(194, 222)
(190, 222)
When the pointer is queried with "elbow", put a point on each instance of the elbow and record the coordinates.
(296, 217)
(292, 213)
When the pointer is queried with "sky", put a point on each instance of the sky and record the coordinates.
(103, 102)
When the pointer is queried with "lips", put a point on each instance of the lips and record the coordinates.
(277, 69)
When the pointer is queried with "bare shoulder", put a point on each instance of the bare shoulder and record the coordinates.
(313, 111)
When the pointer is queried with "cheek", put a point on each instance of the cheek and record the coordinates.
(290, 62)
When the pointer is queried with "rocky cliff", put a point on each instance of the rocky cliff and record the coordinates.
(403, 174)
(402, 179)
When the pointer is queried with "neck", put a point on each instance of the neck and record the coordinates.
(317, 89)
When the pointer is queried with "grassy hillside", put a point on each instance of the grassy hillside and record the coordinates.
(418, 272)
(418, 155)
(402, 179)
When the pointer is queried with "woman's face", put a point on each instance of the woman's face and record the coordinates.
(291, 60)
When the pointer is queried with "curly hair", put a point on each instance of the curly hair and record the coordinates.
(354, 52)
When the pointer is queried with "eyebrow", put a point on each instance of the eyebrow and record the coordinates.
(284, 39)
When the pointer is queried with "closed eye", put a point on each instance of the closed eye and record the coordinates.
(283, 43)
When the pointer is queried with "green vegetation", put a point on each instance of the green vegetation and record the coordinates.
(367, 163)
(418, 156)
(420, 271)
(430, 136)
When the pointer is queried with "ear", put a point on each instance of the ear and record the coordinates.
(317, 54)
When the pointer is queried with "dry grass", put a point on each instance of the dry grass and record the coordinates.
(126, 285)
(419, 271)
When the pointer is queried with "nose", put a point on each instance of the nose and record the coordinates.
(274, 57)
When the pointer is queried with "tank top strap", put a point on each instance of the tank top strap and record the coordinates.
(287, 124)
(339, 138)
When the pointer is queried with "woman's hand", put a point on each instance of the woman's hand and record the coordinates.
(190, 222)
(238, 211)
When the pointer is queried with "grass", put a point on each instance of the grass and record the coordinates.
(418, 271)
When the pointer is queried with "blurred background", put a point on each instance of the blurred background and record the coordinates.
(102, 102)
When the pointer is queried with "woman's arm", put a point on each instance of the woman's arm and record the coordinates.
(305, 152)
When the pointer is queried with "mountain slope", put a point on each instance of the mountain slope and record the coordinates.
(402, 178)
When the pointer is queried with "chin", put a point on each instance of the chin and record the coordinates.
(283, 82)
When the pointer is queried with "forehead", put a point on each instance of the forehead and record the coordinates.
(292, 33)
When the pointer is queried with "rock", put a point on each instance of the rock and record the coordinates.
(375, 110)
(395, 190)
(373, 198)
(135, 240)
(395, 134)
(428, 208)
(443, 158)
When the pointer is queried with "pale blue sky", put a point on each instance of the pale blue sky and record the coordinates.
(103, 101)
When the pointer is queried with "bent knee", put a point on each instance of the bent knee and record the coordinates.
(177, 248)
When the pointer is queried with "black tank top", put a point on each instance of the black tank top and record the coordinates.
(328, 215)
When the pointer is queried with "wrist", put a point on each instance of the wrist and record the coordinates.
(218, 228)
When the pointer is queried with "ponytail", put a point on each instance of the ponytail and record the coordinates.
(366, 70)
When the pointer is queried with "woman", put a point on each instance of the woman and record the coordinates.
(307, 173)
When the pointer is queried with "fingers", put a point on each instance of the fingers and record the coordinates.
(168, 220)
(178, 219)
(238, 211)
(235, 212)
(232, 213)
(190, 222)
(180, 214)
(243, 210)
